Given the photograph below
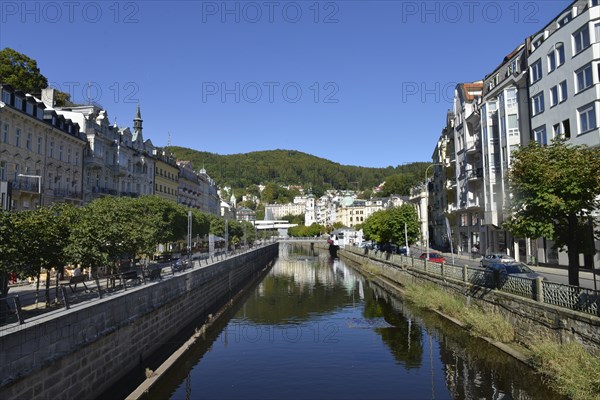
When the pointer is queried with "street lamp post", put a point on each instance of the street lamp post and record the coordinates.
(39, 178)
(426, 211)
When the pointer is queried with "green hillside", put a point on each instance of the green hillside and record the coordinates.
(290, 167)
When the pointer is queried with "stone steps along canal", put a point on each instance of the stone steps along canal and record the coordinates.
(315, 328)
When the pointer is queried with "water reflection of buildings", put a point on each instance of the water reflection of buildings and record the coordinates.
(310, 269)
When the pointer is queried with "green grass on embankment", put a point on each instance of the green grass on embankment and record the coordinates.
(568, 368)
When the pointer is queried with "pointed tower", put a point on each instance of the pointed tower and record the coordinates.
(137, 126)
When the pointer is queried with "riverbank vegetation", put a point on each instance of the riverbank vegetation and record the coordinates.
(567, 368)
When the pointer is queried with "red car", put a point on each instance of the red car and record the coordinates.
(435, 257)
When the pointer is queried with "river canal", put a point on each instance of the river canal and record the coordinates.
(316, 329)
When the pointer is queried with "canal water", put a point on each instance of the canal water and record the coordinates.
(316, 329)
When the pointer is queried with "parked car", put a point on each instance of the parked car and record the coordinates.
(435, 257)
(402, 250)
(514, 269)
(496, 258)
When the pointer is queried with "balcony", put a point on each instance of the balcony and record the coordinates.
(119, 170)
(474, 174)
(93, 162)
(26, 185)
(473, 204)
(67, 194)
(451, 208)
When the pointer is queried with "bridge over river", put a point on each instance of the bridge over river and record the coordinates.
(315, 328)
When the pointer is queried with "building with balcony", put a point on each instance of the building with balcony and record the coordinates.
(564, 91)
(116, 161)
(41, 153)
(505, 127)
(468, 205)
(442, 197)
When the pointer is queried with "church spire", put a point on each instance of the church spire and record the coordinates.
(137, 125)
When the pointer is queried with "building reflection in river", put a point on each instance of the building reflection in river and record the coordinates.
(314, 328)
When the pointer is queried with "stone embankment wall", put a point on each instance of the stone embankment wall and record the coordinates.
(530, 319)
(80, 352)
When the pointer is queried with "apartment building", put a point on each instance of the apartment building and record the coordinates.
(166, 175)
(564, 91)
(41, 153)
(505, 126)
(468, 205)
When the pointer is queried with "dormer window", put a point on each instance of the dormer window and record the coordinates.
(5, 97)
(29, 108)
(18, 103)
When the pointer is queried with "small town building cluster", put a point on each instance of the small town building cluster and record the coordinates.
(546, 88)
(343, 207)
(74, 154)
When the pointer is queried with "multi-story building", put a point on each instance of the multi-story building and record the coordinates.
(189, 191)
(564, 90)
(442, 197)
(211, 202)
(505, 126)
(116, 161)
(276, 211)
(41, 153)
(166, 175)
(468, 166)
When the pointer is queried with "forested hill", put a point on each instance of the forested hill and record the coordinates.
(290, 167)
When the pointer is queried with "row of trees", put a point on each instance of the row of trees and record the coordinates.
(99, 234)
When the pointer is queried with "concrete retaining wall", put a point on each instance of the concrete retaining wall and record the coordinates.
(530, 319)
(79, 353)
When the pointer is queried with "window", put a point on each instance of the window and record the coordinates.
(5, 133)
(539, 135)
(597, 32)
(51, 155)
(76, 158)
(566, 128)
(538, 104)
(6, 97)
(556, 130)
(29, 108)
(562, 91)
(28, 142)
(2, 170)
(39, 144)
(536, 71)
(581, 39)
(511, 97)
(513, 125)
(551, 61)
(560, 53)
(587, 118)
(584, 78)
(17, 137)
(18, 103)
(553, 96)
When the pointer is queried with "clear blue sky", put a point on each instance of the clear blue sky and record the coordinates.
(357, 82)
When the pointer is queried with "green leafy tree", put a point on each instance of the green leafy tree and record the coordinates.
(555, 191)
(45, 233)
(20, 71)
(387, 226)
(10, 251)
